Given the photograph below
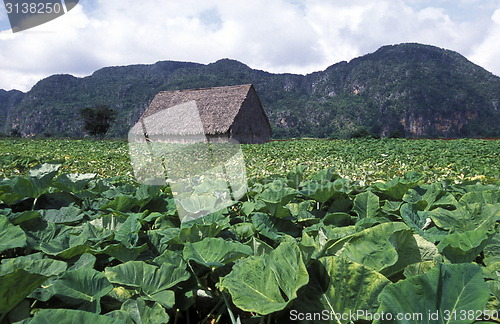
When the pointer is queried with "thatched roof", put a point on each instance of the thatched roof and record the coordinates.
(187, 112)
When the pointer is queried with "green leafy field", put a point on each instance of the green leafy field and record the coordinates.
(368, 160)
(301, 246)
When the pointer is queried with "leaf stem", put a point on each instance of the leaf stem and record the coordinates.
(231, 315)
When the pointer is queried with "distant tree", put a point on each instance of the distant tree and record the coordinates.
(97, 120)
(14, 132)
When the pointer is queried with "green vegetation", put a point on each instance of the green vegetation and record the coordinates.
(338, 226)
(361, 159)
(88, 249)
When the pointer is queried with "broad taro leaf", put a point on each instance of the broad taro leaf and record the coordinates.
(25, 216)
(398, 187)
(339, 286)
(11, 236)
(64, 215)
(75, 241)
(151, 198)
(324, 238)
(121, 252)
(481, 197)
(432, 194)
(70, 316)
(372, 247)
(196, 233)
(492, 250)
(321, 191)
(446, 288)
(366, 204)
(44, 267)
(122, 204)
(16, 286)
(463, 246)
(86, 260)
(243, 231)
(419, 222)
(141, 313)
(128, 234)
(217, 218)
(275, 197)
(37, 183)
(152, 281)
(84, 285)
(266, 284)
(411, 249)
(73, 183)
(295, 177)
(326, 175)
(215, 252)
(277, 193)
(259, 247)
(467, 218)
(45, 170)
(273, 227)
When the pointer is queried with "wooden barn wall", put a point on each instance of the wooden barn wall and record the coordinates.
(250, 125)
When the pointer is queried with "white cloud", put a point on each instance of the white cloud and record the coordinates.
(277, 36)
(487, 54)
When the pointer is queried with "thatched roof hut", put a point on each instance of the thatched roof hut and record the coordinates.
(220, 114)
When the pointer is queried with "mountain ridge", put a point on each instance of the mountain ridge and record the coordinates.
(409, 89)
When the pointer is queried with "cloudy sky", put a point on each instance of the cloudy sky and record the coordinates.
(273, 35)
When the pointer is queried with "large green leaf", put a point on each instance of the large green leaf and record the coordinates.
(11, 236)
(45, 170)
(371, 247)
(411, 249)
(322, 191)
(419, 221)
(120, 252)
(84, 285)
(398, 187)
(141, 313)
(277, 193)
(339, 286)
(266, 284)
(152, 281)
(15, 286)
(273, 227)
(121, 204)
(481, 197)
(31, 187)
(64, 215)
(467, 218)
(366, 204)
(215, 252)
(73, 183)
(463, 246)
(128, 234)
(447, 289)
(275, 197)
(432, 195)
(73, 241)
(44, 267)
(70, 316)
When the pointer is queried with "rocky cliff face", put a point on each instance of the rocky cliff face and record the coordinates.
(8, 101)
(410, 90)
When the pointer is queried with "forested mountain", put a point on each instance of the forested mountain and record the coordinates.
(409, 90)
